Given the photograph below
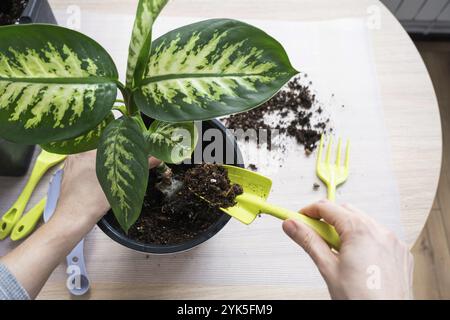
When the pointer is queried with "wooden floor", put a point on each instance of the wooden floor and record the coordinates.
(432, 250)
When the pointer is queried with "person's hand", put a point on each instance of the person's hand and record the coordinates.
(81, 198)
(81, 204)
(372, 263)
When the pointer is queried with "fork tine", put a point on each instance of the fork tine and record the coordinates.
(319, 154)
(338, 156)
(347, 155)
(328, 155)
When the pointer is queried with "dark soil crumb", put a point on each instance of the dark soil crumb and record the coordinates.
(10, 11)
(316, 186)
(253, 167)
(183, 216)
(307, 124)
(211, 182)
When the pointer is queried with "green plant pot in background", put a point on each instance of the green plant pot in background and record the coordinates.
(15, 158)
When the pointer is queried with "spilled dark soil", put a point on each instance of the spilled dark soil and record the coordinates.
(298, 112)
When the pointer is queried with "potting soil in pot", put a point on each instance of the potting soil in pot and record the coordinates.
(211, 182)
(184, 215)
(10, 11)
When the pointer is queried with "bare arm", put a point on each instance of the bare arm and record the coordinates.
(81, 204)
(35, 259)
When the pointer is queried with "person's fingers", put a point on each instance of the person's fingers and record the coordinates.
(153, 162)
(338, 216)
(312, 243)
(350, 207)
(358, 213)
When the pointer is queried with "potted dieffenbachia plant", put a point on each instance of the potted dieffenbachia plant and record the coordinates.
(58, 88)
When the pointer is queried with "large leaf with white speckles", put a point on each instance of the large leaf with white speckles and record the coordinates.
(172, 142)
(85, 142)
(55, 83)
(141, 38)
(209, 69)
(122, 169)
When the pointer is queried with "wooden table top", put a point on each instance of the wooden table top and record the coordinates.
(411, 116)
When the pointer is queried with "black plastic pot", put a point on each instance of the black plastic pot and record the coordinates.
(15, 158)
(108, 225)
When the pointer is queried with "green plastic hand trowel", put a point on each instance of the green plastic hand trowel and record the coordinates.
(253, 202)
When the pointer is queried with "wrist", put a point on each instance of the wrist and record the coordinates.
(74, 220)
(65, 225)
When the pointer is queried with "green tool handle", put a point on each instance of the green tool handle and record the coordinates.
(38, 171)
(28, 222)
(14, 213)
(323, 229)
(331, 192)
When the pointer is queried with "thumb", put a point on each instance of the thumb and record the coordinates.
(153, 162)
(312, 243)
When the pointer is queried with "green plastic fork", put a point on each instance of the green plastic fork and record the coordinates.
(332, 174)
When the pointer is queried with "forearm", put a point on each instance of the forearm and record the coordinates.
(36, 258)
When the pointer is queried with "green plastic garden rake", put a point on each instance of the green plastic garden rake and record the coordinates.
(331, 173)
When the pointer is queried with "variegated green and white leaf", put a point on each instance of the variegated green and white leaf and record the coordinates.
(85, 142)
(141, 39)
(209, 69)
(172, 142)
(55, 83)
(122, 169)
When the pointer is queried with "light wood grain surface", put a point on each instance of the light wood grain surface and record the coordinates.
(432, 250)
(411, 116)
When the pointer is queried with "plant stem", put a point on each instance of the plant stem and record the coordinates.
(122, 88)
(132, 108)
(122, 108)
(140, 121)
(163, 168)
(127, 97)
